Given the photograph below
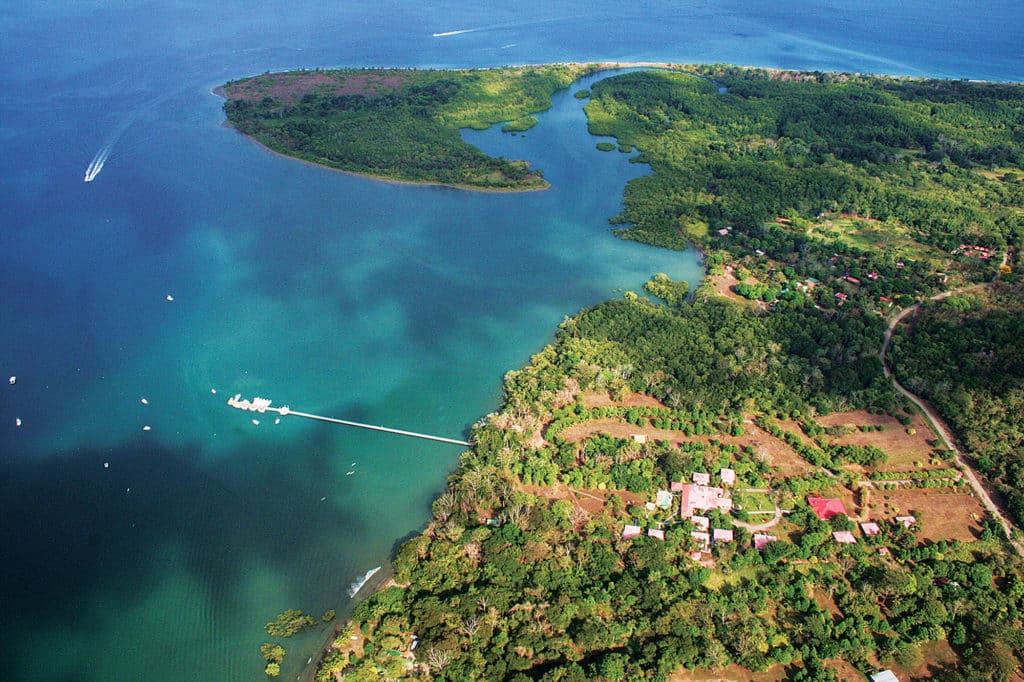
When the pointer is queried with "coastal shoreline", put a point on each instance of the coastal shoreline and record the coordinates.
(386, 180)
(598, 67)
(308, 674)
(219, 92)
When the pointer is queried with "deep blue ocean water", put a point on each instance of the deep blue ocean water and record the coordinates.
(159, 554)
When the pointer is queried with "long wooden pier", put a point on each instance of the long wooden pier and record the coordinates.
(262, 405)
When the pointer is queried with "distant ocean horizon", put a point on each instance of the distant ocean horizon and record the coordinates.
(196, 265)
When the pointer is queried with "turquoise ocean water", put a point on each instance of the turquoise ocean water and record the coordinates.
(158, 554)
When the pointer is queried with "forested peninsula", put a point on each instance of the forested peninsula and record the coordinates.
(726, 483)
(399, 124)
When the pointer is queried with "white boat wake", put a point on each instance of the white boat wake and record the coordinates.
(97, 163)
(103, 155)
(455, 33)
(496, 27)
(358, 584)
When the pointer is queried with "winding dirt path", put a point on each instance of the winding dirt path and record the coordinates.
(939, 426)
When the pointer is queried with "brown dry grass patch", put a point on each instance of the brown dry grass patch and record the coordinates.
(733, 673)
(775, 452)
(904, 450)
(935, 658)
(593, 399)
(723, 283)
(289, 87)
(591, 501)
(941, 514)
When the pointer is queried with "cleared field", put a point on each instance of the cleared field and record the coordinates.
(941, 514)
(592, 399)
(723, 283)
(934, 659)
(869, 234)
(618, 428)
(775, 452)
(905, 451)
(733, 673)
(591, 501)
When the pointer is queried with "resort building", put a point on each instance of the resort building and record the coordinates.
(907, 521)
(870, 529)
(722, 535)
(844, 537)
(702, 538)
(826, 507)
(702, 497)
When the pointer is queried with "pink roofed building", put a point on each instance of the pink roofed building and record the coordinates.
(761, 540)
(722, 535)
(655, 533)
(728, 476)
(701, 478)
(844, 537)
(826, 507)
(907, 521)
(702, 522)
(701, 497)
(870, 529)
(630, 532)
(704, 539)
(676, 486)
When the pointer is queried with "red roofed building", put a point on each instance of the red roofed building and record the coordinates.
(701, 497)
(826, 507)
